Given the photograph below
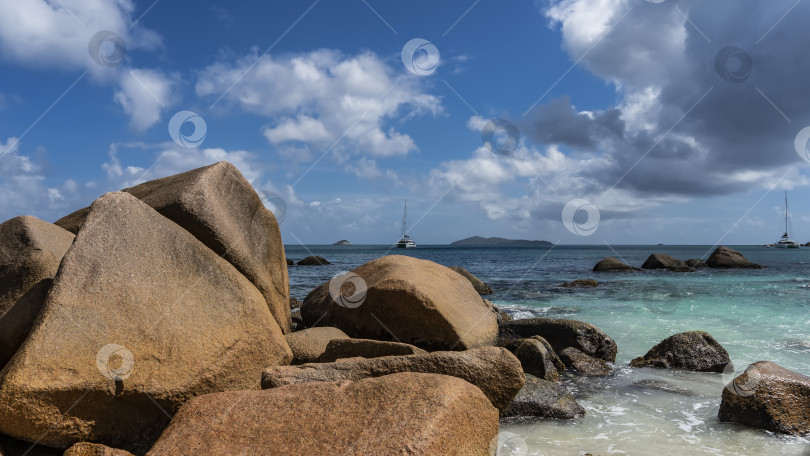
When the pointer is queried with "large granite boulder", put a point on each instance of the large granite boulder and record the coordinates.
(405, 413)
(496, 371)
(220, 208)
(478, 284)
(664, 261)
(407, 299)
(94, 449)
(582, 364)
(308, 345)
(610, 264)
(366, 348)
(542, 399)
(562, 334)
(726, 258)
(30, 253)
(538, 358)
(141, 316)
(768, 396)
(694, 351)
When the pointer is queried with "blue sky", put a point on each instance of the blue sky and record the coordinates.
(620, 106)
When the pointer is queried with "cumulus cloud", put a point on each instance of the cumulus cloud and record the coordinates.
(323, 99)
(677, 131)
(56, 34)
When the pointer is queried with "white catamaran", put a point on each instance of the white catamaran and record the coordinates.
(785, 242)
(405, 242)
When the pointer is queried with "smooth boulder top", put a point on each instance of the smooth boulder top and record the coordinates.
(768, 396)
(365, 348)
(664, 261)
(562, 334)
(94, 449)
(726, 258)
(694, 351)
(313, 260)
(405, 413)
(407, 299)
(478, 284)
(220, 208)
(542, 399)
(494, 370)
(141, 316)
(610, 264)
(308, 345)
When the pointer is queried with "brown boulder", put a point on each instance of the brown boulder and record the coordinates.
(220, 208)
(94, 449)
(538, 358)
(542, 399)
(582, 364)
(406, 413)
(664, 261)
(499, 314)
(561, 334)
(496, 371)
(401, 298)
(768, 396)
(366, 348)
(694, 351)
(313, 260)
(30, 253)
(695, 263)
(140, 317)
(478, 284)
(308, 345)
(726, 258)
(611, 264)
(580, 283)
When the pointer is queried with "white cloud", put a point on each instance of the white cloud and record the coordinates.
(321, 98)
(56, 34)
(144, 94)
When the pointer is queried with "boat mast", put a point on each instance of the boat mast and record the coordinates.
(404, 218)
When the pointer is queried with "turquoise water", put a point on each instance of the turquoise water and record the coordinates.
(756, 315)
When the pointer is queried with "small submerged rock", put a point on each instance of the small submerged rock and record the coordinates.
(660, 385)
(611, 264)
(694, 351)
(313, 260)
(726, 258)
(696, 263)
(580, 283)
(542, 399)
(663, 261)
(768, 396)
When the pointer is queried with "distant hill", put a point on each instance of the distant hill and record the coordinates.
(480, 241)
(342, 242)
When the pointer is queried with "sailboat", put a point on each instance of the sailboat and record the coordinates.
(405, 242)
(785, 242)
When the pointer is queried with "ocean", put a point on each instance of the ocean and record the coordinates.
(755, 314)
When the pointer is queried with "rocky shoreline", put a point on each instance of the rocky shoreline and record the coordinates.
(158, 321)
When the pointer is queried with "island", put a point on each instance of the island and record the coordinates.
(342, 242)
(496, 241)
